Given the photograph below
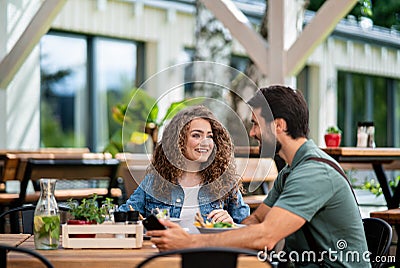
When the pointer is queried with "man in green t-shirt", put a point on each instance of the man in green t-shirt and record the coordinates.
(311, 205)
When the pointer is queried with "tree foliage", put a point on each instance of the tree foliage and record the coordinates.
(385, 13)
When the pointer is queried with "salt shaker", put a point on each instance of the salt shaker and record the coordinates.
(371, 134)
(120, 218)
(362, 136)
(132, 218)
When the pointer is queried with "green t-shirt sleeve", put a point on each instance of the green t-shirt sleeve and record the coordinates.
(304, 192)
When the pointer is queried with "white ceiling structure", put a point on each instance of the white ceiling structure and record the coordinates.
(278, 58)
(38, 26)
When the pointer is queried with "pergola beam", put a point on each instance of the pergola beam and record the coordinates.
(285, 62)
(239, 26)
(276, 40)
(38, 26)
(321, 26)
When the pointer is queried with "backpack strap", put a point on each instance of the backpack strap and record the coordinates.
(332, 164)
(306, 229)
(338, 169)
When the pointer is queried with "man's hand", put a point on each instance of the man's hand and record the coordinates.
(220, 215)
(172, 238)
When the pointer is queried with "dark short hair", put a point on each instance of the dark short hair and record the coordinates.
(283, 102)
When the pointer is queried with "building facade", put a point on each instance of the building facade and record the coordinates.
(351, 76)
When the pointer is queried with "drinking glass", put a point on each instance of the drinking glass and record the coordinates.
(161, 213)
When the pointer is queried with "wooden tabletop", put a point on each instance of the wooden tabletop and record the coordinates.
(243, 151)
(392, 216)
(102, 258)
(13, 239)
(254, 200)
(345, 151)
(359, 151)
(256, 169)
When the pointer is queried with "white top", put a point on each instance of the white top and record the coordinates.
(189, 208)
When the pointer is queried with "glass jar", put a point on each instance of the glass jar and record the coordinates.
(46, 221)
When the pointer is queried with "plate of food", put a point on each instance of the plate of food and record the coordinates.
(175, 219)
(207, 227)
(211, 228)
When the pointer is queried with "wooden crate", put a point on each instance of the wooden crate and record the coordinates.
(105, 236)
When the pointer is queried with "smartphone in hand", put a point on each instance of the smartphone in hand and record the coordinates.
(151, 223)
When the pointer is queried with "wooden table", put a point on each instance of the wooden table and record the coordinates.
(378, 158)
(103, 258)
(254, 200)
(13, 239)
(391, 216)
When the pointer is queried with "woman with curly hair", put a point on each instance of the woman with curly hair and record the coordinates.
(192, 169)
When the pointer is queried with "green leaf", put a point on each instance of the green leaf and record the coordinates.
(175, 107)
(153, 114)
(116, 138)
(112, 149)
(89, 209)
(55, 233)
(333, 130)
(366, 7)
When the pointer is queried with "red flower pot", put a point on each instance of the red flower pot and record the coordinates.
(81, 222)
(332, 139)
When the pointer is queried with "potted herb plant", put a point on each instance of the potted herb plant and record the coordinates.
(333, 136)
(88, 211)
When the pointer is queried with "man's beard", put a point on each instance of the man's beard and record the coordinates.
(269, 149)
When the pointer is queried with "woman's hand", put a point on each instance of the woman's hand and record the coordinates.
(220, 215)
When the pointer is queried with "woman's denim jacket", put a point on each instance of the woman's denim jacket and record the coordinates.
(143, 201)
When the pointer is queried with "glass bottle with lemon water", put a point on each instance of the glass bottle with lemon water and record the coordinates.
(47, 217)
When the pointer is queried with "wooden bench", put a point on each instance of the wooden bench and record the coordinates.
(9, 159)
(256, 172)
(133, 169)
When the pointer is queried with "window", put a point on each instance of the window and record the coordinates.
(82, 77)
(237, 62)
(63, 83)
(368, 98)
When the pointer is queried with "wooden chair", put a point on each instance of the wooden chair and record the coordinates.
(379, 236)
(256, 172)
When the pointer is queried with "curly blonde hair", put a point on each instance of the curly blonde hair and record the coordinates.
(168, 162)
